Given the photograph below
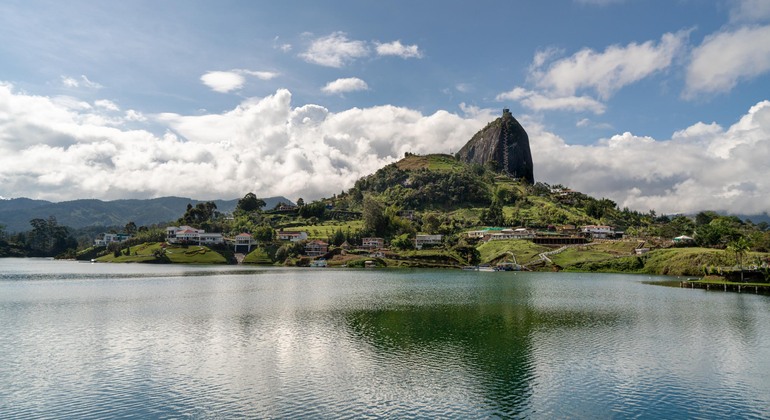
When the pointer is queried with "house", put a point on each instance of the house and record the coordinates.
(316, 248)
(422, 240)
(243, 239)
(520, 233)
(293, 236)
(598, 231)
(187, 234)
(407, 214)
(109, 238)
(372, 243)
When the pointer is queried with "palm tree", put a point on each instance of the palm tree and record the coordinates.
(739, 247)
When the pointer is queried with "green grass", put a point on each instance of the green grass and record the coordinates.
(525, 251)
(257, 256)
(594, 253)
(326, 230)
(193, 254)
(432, 162)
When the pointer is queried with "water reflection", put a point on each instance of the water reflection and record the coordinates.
(153, 342)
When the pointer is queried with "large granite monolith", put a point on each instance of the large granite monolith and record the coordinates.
(504, 142)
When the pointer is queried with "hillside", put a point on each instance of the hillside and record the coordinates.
(16, 213)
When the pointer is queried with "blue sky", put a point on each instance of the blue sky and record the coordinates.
(656, 105)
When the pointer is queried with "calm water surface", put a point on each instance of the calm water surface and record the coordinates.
(97, 340)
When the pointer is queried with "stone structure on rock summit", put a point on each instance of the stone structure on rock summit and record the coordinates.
(504, 142)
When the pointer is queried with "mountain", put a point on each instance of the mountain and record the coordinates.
(16, 213)
(505, 143)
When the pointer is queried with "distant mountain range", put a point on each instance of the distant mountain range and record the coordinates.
(16, 213)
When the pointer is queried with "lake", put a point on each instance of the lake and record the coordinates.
(83, 340)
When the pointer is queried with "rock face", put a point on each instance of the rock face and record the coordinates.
(504, 142)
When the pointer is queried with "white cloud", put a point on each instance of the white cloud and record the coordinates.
(701, 167)
(84, 81)
(350, 84)
(261, 75)
(223, 81)
(334, 50)
(263, 145)
(227, 81)
(106, 104)
(398, 49)
(750, 11)
(725, 58)
(540, 102)
(608, 71)
(55, 151)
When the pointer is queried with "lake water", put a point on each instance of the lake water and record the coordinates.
(82, 340)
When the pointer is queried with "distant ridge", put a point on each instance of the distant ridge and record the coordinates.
(16, 213)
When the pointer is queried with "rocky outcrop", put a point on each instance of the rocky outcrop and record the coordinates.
(503, 142)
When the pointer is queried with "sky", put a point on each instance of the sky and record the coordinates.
(659, 105)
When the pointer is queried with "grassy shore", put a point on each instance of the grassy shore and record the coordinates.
(153, 253)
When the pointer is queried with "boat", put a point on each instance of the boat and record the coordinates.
(321, 262)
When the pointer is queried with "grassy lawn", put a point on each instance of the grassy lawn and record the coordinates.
(257, 256)
(525, 251)
(193, 254)
(432, 162)
(326, 230)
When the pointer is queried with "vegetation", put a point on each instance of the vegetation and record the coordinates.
(433, 194)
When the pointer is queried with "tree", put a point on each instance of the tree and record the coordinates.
(250, 203)
(131, 228)
(431, 223)
(375, 222)
(300, 202)
(740, 248)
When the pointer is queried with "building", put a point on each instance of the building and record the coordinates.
(422, 240)
(110, 238)
(598, 231)
(520, 233)
(191, 235)
(372, 243)
(316, 248)
(243, 240)
(285, 235)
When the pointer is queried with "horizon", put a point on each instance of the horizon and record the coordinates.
(117, 101)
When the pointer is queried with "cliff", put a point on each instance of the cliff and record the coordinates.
(504, 142)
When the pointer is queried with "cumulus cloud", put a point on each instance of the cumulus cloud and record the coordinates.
(539, 102)
(227, 81)
(398, 49)
(606, 72)
(703, 166)
(265, 145)
(269, 146)
(725, 58)
(334, 50)
(350, 84)
(223, 81)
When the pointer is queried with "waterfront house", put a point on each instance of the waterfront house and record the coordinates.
(109, 238)
(187, 234)
(316, 248)
(243, 240)
(422, 240)
(372, 243)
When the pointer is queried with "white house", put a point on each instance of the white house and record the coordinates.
(520, 233)
(243, 239)
(422, 240)
(285, 235)
(187, 234)
(108, 238)
(598, 231)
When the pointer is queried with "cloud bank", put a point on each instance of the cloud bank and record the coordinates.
(61, 150)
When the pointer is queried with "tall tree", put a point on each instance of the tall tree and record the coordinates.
(740, 248)
(250, 203)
